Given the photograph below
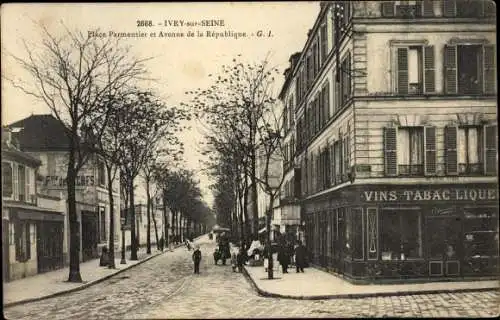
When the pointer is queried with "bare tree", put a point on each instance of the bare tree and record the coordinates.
(70, 73)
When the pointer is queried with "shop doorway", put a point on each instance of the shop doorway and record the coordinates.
(443, 245)
(5, 250)
(49, 245)
(89, 235)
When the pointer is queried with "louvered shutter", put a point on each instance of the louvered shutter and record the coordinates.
(428, 8)
(450, 145)
(390, 151)
(489, 69)
(327, 101)
(450, 69)
(388, 9)
(449, 8)
(429, 70)
(332, 161)
(402, 71)
(490, 149)
(430, 150)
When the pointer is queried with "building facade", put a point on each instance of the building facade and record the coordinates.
(43, 137)
(396, 130)
(32, 223)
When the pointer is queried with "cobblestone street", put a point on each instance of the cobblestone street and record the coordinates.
(165, 287)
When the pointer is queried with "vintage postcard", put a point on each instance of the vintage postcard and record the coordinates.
(250, 160)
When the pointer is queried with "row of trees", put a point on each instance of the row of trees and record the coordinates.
(243, 130)
(93, 87)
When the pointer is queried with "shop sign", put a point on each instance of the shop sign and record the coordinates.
(57, 181)
(440, 194)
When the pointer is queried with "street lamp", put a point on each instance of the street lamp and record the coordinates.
(122, 221)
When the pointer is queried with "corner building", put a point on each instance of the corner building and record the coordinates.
(395, 122)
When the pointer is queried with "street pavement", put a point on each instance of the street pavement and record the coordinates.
(165, 288)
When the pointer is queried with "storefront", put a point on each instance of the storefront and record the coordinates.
(369, 232)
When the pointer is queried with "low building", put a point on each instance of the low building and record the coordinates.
(32, 224)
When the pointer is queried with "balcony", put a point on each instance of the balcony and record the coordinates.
(411, 169)
(470, 169)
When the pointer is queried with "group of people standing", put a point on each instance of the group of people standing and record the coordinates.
(287, 253)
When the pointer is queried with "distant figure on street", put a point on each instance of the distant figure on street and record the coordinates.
(241, 258)
(284, 258)
(300, 257)
(188, 245)
(197, 259)
(216, 255)
(234, 261)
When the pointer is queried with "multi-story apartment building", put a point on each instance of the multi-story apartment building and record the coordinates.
(43, 137)
(32, 222)
(396, 131)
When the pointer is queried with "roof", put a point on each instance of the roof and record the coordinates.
(11, 153)
(41, 132)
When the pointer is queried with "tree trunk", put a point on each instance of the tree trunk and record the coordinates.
(268, 228)
(166, 224)
(148, 212)
(255, 209)
(245, 210)
(155, 226)
(74, 225)
(133, 239)
(111, 220)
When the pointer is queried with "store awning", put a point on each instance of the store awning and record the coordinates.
(40, 214)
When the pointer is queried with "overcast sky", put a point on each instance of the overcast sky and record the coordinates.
(179, 64)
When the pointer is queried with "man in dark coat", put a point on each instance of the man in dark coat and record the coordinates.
(300, 257)
(284, 258)
(197, 259)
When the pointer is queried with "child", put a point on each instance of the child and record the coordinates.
(216, 256)
(197, 259)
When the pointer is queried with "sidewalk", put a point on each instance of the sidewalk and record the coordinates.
(317, 284)
(53, 283)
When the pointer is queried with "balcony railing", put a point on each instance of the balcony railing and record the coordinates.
(470, 168)
(411, 169)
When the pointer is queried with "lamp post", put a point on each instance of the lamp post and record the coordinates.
(122, 221)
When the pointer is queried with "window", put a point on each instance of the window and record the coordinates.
(23, 244)
(415, 70)
(101, 175)
(469, 8)
(410, 151)
(470, 151)
(357, 233)
(21, 173)
(481, 233)
(408, 9)
(410, 146)
(324, 43)
(285, 118)
(7, 179)
(401, 234)
(470, 69)
(345, 80)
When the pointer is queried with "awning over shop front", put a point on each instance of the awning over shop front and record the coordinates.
(26, 213)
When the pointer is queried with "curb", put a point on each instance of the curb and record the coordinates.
(267, 294)
(83, 286)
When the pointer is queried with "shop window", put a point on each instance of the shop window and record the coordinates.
(410, 146)
(470, 69)
(357, 233)
(101, 173)
(21, 191)
(7, 179)
(23, 243)
(481, 233)
(401, 235)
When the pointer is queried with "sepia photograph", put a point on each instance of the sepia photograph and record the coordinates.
(250, 160)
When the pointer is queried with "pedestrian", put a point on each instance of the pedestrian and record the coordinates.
(197, 259)
(216, 255)
(283, 258)
(300, 257)
(234, 261)
(241, 259)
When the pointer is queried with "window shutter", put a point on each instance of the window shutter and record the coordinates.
(429, 71)
(449, 8)
(450, 67)
(450, 145)
(428, 8)
(430, 150)
(402, 72)
(490, 149)
(390, 144)
(489, 69)
(332, 170)
(388, 9)
(28, 242)
(327, 100)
